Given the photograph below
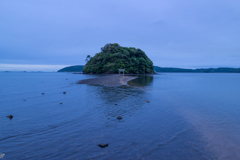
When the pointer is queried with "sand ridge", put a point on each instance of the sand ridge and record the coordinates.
(108, 80)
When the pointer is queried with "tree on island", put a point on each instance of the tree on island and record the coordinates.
(113, 57)
(88, 58)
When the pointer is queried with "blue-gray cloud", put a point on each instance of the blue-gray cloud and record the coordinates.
(174, 33)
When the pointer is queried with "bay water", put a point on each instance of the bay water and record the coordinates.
(188, 116)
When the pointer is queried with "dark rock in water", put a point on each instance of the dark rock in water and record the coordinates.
(119, 117)
(66, 79)
(60, 103)
(64, 92)
(10, 116)
(115, 104)
(148, 101)
(103, 145)
(43, 93)
(24, 100)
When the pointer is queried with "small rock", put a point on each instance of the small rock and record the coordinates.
(60, 103)
(43, 93)
(115, 104)
(66, 79)
(119, 117)
(24, 100)
(10, 116)
(103, 145)
(148, 101)
(108, 118)
(64, 92)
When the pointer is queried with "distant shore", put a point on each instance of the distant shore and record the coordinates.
(109, 80)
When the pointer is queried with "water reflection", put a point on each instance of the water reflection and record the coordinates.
(119, 101)
(177, 123)
(122, 100)
(141, 81)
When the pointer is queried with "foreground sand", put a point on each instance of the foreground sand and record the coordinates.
(109, 80)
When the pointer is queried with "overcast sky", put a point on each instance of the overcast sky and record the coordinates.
(50, 34)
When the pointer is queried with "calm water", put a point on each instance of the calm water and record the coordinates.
(190, 116)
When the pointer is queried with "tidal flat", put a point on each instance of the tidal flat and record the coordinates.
(113, 80)
(169, 116)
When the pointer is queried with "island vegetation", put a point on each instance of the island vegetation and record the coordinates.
(113, 57)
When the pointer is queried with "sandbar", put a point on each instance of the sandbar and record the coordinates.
(109, 80)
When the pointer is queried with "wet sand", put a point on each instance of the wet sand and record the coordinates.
(109, 80)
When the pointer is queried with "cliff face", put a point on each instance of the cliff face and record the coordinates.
(113, 57)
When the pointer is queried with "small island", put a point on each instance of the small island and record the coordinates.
(113, 57)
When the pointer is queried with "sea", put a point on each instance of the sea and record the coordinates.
(167, 116)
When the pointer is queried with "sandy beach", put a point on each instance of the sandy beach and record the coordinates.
(109, 80)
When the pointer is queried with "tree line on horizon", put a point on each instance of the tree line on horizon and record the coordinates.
(79, 68)
(199, 70)
(113, 57)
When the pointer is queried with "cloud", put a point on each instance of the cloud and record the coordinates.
(171, 32)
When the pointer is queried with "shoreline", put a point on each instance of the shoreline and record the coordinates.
(108, 80)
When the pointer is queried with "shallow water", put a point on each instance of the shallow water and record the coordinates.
(190, 116)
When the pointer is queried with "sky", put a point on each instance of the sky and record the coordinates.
(46, 35)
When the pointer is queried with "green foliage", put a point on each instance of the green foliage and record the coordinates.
(88, 58)
(113, 57)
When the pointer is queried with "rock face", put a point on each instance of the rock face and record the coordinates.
(103, 145)
(113, 57)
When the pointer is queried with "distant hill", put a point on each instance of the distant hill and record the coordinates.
(201, 70)
(77, 68)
